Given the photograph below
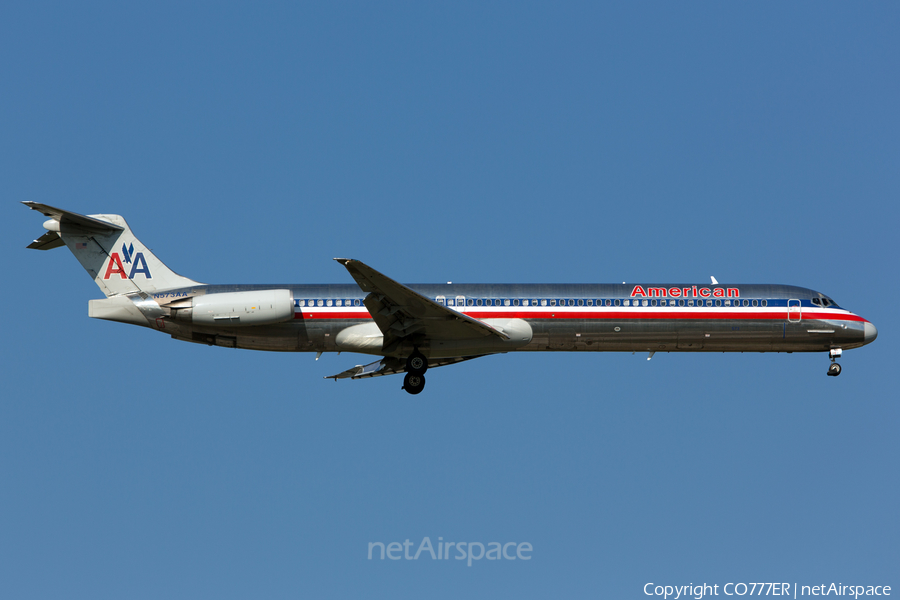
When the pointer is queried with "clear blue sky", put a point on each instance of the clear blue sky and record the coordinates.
(481, 142)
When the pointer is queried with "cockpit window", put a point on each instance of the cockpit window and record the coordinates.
(824, 301)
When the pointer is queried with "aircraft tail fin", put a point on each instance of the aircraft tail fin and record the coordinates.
(108, 251)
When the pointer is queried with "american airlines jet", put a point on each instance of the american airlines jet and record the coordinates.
(413, 328)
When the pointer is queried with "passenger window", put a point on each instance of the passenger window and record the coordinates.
(515, 302)
(321, 303)
(681, 303)
(470, 302)
(709, 302)
(690, 302)
(718, 303)
(506, 302)
(617, 302)
(581, 303)
(479, 302)
(652, 303)
(543, 303)
(451, 302)
(763, 302)
(746, 303)
(755, 303)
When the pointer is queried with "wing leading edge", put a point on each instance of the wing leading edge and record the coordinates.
(404, 314)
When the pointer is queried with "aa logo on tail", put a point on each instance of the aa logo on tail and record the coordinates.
(136, 260)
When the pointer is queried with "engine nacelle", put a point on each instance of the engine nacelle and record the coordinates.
(259, 307)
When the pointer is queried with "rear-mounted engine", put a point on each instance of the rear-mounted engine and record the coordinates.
(262, 307)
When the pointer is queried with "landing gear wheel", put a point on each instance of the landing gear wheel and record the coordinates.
(416, 363)
(413, 383)
(834, 370)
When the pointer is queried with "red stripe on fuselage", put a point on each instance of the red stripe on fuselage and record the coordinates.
(600, 315)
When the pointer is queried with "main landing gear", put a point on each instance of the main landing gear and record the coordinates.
(413, 384)
(416, 365)
(834, 369)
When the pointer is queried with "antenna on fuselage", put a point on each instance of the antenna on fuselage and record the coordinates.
(714, 282)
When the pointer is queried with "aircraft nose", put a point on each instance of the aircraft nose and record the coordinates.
(869, 333)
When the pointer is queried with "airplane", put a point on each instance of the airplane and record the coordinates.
(413, 328)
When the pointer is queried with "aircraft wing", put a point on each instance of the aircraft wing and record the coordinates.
(390, 366)
(401, 312)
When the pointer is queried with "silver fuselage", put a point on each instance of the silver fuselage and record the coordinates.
(562, 317)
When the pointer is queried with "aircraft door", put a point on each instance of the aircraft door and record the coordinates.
(794, 311)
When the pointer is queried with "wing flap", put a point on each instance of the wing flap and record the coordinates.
(392, 366)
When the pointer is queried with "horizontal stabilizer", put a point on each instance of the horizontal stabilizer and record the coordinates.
(48, 241)
(71, 218)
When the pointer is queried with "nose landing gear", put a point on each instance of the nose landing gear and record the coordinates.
(834, 369)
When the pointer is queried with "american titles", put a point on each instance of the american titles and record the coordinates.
(684, 292)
